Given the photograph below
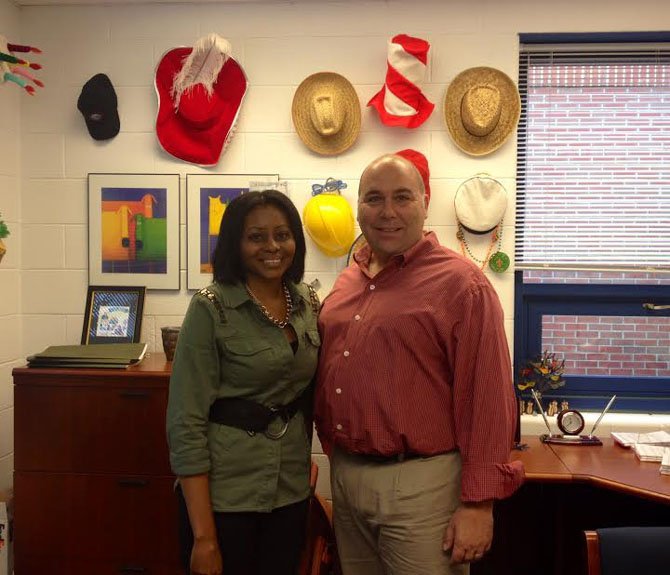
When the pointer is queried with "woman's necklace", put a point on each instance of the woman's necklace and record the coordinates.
(498, 262)
(280, 323)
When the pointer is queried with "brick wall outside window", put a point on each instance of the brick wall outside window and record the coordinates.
(609, 345)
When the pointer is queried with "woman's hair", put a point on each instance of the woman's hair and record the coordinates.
(226, 259)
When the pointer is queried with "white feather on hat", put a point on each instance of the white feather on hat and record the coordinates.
(202, 65)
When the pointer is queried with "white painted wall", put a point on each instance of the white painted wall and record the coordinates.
(11, 97)
(278, 44)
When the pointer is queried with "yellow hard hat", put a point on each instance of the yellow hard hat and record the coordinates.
(329, 221)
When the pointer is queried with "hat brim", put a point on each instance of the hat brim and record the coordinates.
(300, 111)
(201, 146)
(509, 113)
(105, 130)
(425, 109)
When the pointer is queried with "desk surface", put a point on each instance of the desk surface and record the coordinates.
(608, 466)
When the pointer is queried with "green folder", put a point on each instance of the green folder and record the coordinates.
(95, 353)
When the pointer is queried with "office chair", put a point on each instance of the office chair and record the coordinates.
(628, 550)
(320, 554)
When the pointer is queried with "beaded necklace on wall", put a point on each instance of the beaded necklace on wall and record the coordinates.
(498, 261)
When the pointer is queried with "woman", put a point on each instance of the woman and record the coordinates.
(237, 420)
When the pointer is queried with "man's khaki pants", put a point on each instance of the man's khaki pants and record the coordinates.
(390, 518)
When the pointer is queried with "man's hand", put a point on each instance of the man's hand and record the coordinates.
(470, 531)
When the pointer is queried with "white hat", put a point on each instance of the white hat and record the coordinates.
(480, 204)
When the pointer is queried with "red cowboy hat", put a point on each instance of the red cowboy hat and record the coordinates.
(200, 91)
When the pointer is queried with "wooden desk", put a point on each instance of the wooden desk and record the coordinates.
(610, 466)
(569, 489)
(540, 462)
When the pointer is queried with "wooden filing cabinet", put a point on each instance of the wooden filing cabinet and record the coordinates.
(93, 490)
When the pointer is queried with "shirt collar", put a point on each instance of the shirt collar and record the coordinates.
(423, 246)
(235, 295)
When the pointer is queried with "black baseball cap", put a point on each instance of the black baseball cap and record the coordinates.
(98, 104)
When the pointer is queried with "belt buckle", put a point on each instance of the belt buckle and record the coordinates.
(282, 431)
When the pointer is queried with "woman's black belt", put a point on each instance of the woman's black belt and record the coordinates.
(255, 417)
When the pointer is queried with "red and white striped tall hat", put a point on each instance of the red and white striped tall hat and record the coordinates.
(400, 102)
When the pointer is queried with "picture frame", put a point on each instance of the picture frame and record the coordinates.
(133, 230)
(206, 198)
(113, 314)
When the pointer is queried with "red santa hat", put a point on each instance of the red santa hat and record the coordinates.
(400, 102)
(421, 164)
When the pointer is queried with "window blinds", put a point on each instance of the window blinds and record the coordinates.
(593, 171)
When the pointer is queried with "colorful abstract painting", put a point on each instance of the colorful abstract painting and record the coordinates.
(134, 229)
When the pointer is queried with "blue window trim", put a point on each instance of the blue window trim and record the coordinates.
(533, 300)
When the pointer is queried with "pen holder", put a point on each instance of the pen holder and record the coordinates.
(170, 336)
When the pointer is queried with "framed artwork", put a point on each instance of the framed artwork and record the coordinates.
(113, 314)
(207, 196)
(133, 230)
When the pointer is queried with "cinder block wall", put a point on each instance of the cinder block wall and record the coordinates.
(278, 44)
(10, 274)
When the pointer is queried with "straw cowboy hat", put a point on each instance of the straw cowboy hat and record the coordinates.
(200, 92)
(481, 109)
(326, 113)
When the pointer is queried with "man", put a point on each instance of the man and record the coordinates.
(414, 402)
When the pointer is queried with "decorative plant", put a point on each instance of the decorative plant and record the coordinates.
(4, 230)
(542, 373)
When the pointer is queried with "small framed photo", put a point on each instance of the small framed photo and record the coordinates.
(113, 314)
(207, 196)
(133, 230)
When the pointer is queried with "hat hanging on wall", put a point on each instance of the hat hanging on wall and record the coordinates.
(200, 92)
(481, 109)
(329, 219)
(480, 205)
(420, 162)
(326, 113)
(400, 102)
(98, 104)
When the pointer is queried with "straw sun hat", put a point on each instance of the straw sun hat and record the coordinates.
(481, 109)
(326, 113)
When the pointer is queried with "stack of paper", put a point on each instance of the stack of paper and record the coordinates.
(665, 462)
(105, 355)
(647, 452)
(629, 439)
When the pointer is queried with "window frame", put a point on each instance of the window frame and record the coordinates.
(582, 391)
(533, 300)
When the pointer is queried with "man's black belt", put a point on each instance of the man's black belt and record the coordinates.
(395, 458)
(255, 417)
